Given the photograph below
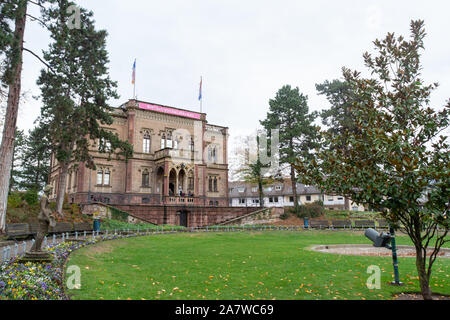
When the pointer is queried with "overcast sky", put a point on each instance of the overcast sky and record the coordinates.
(245, 50)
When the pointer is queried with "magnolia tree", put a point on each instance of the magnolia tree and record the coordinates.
(397, 161)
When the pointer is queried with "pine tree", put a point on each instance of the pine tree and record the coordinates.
(75, 93)
(12, 12)
(16, 168)
(35, 160)
(289, 113)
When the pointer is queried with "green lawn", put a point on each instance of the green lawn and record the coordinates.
(240, 265)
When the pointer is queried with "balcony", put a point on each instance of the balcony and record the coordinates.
(177, 154)
(178, 200)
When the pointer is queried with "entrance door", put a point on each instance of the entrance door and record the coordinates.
(183, 218)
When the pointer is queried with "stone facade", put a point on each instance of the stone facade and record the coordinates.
(179, 160)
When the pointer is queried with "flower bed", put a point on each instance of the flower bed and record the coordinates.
(40, 281)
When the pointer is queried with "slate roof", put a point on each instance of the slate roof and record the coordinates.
(286, 189)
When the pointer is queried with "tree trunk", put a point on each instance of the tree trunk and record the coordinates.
(424, 279)
(346, 203)
(294, 188)
(9, 129)
(261, 194)
(61, 192)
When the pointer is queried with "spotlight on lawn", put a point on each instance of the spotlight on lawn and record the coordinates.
(386, 240)
(379, 240)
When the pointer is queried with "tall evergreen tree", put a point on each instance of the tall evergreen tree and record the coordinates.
(75, 95)
(289, 113)
(16, 169)
(12, 13)
(35, 160)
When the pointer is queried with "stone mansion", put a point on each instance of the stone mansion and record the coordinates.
(179, 159)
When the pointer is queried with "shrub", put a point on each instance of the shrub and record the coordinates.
(310, 210)
(14, 200)
(285, 215)
(31, 197)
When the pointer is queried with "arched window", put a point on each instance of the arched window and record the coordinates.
(192, 144)
(146, 143)
(145, 178)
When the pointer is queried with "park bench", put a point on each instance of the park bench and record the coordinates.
(364, 224)
(34, 228)
(341, 224)
(17, 230)
(82, 226)
(62, 227)
(318, 224)
(382, 224)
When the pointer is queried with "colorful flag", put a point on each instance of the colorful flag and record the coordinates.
(133, 80)
(200, 90)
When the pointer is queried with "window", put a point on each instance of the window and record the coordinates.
(145, 200)
(100, 177)
(75, 174)
(291, 199)
(330, 198)
(146, 143)
(70, 180)
(308, 198)
(216, 203)
(268, 189)
(255, 201)
(340, 198)
(169, 141)
(255, 189)
(241, 189)
(163, 141)
(191, 181)
(104, 145)
(145, 178)
(275, 199)
(278, 188)
(106, 177)
(270, 200)
(192, 144)
(212, 154)
(212, 184)
(355, 208)
(241, 201)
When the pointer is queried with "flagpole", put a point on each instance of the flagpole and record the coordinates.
(201, 94)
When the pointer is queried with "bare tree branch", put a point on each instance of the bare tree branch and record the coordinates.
(39, 58)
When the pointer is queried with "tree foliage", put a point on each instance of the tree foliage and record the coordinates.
(289, 113)
(75, 93)
(397, 161)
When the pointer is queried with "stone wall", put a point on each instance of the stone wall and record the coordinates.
(268, 215)
(172, 215)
